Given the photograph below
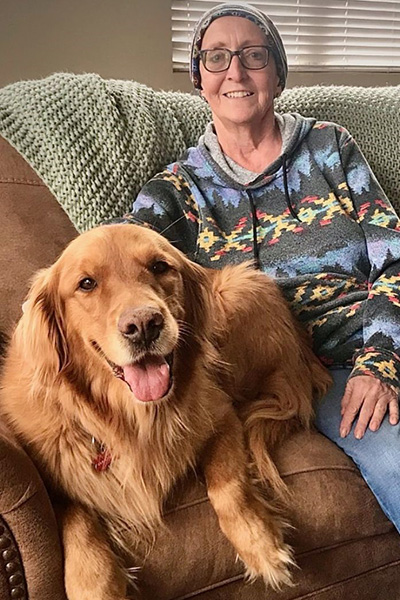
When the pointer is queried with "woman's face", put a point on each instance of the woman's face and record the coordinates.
(238, 96)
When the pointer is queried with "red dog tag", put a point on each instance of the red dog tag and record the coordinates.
(103, 459)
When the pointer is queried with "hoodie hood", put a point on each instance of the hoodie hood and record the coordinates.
(208, 166)
(203, 158)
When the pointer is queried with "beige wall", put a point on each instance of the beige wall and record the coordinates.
(121, 39)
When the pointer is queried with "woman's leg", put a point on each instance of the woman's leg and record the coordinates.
(377, 454)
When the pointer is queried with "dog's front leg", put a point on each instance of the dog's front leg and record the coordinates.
(91, 568)
(253, 527)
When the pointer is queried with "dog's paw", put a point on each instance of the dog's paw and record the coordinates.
(258, 539)
(274, 565)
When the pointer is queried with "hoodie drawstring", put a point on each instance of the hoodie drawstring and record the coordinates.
(256, 250)
(285, 184)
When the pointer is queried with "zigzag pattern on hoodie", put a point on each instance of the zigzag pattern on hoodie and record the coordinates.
(318, 222)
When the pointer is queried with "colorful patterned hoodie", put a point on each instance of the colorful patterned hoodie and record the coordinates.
(316, 220)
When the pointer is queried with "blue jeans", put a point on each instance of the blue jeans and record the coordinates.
(377, 454)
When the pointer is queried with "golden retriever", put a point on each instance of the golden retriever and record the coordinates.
(131, 364)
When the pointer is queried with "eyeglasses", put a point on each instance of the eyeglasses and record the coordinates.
(219, 59)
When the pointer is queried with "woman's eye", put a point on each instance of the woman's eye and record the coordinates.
(159, 267)
(216, 58)
(87, 284)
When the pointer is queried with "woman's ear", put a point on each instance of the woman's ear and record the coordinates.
(202, 96)
(279, 89)
(41, 331)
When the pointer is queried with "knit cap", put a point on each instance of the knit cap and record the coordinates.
(246, 11)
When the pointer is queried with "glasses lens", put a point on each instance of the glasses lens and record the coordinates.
(216, 60)
(254, 57)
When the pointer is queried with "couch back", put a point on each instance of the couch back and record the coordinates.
(95, 142)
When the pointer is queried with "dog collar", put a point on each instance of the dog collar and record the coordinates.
(103, 458)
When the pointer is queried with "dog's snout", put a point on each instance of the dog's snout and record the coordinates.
(141, 325)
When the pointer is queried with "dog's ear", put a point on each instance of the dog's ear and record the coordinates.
(41, 330)
(197, 297)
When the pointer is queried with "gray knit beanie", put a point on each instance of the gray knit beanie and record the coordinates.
(246, 11)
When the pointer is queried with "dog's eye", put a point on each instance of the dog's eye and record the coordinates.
(159, 267)
(87, 284)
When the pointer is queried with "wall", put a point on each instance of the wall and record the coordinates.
(120, 39)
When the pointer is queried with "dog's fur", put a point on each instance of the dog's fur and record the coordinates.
(3, 345)
(243, 377)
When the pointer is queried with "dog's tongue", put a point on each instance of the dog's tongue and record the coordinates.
(148, 379)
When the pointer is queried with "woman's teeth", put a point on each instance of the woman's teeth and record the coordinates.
(237, 94)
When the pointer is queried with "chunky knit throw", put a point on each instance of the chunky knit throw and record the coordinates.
(95, 142)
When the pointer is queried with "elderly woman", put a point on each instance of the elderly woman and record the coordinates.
(298, 196)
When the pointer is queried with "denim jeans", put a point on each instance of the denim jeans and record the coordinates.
(377, 454)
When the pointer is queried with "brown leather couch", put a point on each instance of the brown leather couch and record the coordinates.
(345, 547)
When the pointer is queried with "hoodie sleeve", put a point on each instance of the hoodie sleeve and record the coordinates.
(380, 354)
(166, 204)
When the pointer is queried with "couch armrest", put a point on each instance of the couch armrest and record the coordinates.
(30, 551)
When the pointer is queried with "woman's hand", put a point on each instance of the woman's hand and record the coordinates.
(370, 399)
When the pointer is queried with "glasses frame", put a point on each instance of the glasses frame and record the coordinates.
(232, 53)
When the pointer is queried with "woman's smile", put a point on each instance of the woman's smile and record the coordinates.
(238, 94)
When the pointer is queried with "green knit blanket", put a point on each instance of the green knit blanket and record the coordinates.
(95, 142)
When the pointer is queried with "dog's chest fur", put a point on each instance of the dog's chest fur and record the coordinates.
(151, 447)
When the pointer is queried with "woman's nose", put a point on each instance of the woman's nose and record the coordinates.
(236, 70)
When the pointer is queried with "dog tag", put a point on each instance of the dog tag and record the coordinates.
(103, 459)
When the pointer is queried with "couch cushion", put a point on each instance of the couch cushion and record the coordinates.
(332, 509)
(34, 230)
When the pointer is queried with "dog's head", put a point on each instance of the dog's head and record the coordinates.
(120, 297)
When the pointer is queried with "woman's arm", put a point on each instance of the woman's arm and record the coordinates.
(374, 383)
(167, 205)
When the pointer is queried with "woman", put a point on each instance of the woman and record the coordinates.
(299, 197)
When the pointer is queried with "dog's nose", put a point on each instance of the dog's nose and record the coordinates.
(141, 325)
